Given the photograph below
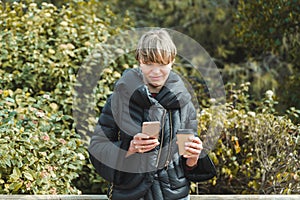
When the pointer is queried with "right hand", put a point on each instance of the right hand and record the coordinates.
(142, 143)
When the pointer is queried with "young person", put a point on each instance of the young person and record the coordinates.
(136, 165)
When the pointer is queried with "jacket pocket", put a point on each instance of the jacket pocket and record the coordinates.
(130, 185)
(124, 180)
(176, 177)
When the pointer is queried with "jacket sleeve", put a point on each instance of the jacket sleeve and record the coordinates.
(104, 144)
(205, 168)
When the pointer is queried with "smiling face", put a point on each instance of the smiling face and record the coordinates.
(156, 53)
(155, 75)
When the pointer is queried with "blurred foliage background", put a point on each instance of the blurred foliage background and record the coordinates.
(44, 44)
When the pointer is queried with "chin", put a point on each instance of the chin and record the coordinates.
(156, 85)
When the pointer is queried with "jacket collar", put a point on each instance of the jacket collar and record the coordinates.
(173, 94)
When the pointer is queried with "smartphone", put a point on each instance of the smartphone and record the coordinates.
(183, 137)
(151, 129)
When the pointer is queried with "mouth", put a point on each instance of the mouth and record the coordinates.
(156, 78)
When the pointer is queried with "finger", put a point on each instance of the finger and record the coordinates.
(150, 146)
(137, 148)
(194, 145)
(140, 136)
(145, 148)
(149, 142)
(191, 156)
(195, 139)
(138, 139)
(145, 141)
(133, 147)
(193, 151)
(140, 143)
(140, 150)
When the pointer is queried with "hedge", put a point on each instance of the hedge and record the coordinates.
(42, 47)
(258, 152)
(40, 152)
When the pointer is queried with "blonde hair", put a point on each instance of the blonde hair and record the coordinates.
(156, 46)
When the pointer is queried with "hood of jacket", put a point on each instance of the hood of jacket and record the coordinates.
(173, 94)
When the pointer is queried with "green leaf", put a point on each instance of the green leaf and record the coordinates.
(16, 174)
(16, 186)
(70, 166)
(277, 42)
(9, 100)
(28, 176)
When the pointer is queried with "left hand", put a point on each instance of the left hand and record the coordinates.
(194, 147)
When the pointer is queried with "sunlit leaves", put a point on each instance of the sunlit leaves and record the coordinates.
(32, 146)
(258, 152)
(42, 48)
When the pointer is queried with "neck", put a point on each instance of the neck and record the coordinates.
(153, 89)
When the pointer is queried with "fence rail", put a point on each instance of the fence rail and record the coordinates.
(193, 197)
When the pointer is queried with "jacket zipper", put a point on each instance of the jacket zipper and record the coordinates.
(170, 142)
(162, 138)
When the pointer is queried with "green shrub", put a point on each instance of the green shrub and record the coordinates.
(42, 47)
(40, 152)
(264, 73)
(208, 22)
(258, 152)
(269, 26)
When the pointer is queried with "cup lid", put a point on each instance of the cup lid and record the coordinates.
(185, 131)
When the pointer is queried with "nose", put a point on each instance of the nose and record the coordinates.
(156, 70)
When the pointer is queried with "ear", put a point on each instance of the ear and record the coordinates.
(140, 62)
(170, 65)
(173, 61)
